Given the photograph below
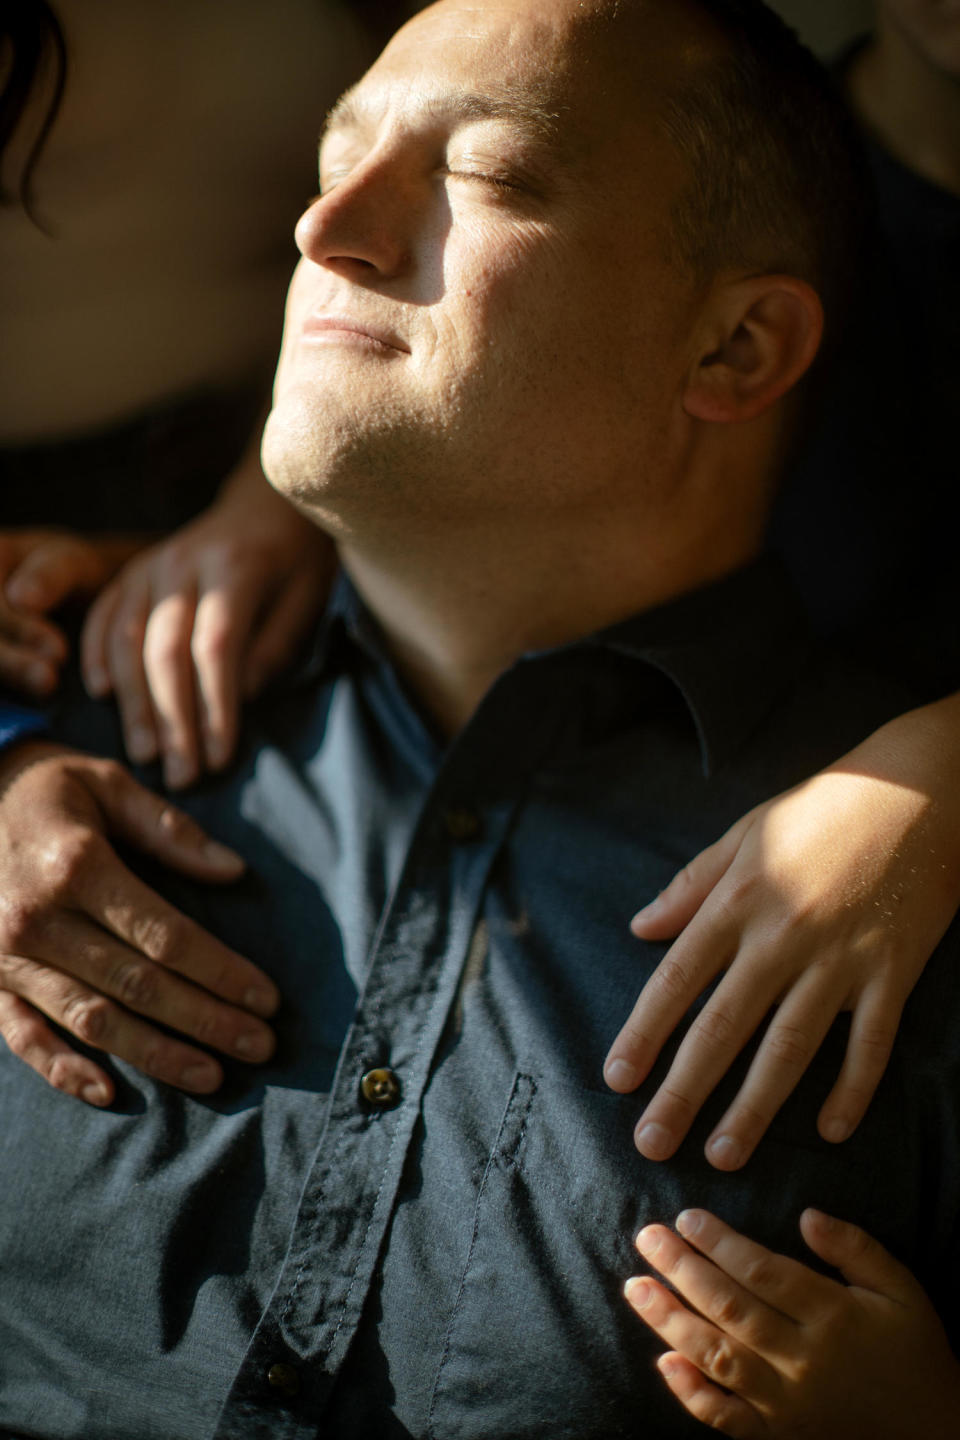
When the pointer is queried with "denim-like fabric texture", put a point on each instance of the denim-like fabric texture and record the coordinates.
(449, 1269)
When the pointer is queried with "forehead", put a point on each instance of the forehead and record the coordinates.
(542, 64)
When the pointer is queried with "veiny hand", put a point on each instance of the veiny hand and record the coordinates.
(828, 898)
(769, 1347)
(39, 570)
(200, 622)
(85, 943)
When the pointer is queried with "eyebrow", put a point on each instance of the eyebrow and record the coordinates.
(353, 111)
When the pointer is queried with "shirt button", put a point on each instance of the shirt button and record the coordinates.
(380, 1088)
(462, 824)
(285, 1379)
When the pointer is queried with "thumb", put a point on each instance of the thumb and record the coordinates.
(675, 907)
(153, 825)
(52, 571)
(861, 1260)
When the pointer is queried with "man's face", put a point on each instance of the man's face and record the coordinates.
(932, 27)
(484, 318)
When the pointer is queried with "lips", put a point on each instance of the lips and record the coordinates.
(319, 327)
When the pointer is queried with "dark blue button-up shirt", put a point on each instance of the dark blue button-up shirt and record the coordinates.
(290, 1259)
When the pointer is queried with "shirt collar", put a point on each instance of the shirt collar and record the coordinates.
(731, 649)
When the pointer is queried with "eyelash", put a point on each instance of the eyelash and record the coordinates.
(483, 176)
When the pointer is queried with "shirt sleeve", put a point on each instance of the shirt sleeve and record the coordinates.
(17, 722)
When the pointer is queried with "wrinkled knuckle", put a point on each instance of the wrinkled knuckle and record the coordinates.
(157, 936)
(174, 826)
(716, 1026)
(876, 1042)
(727, 1309)
(134, 983)
(681, 1106)
(758, 1274)
(21, 1034)
(61, 1074)
(73, 859)
(791, 1045)
(21, 919)
(720, 1362)
(673, 978)
(89, 1017)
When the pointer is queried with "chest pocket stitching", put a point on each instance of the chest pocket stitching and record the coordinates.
(506, 1153)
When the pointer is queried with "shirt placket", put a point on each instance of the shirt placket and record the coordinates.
(347, 1201)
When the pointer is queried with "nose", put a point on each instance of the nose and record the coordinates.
(362, 227)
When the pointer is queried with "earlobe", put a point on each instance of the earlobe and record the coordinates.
(762, 336)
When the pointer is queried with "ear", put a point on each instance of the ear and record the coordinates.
(758, 339)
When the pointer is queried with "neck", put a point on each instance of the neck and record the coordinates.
(911, 106)
(458, 609)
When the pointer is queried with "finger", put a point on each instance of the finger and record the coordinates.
(109, 893)
(783, 1285)
(154, 825)
(712, 1043)
(684, 973)
(735, 1310)
(721, 1359)
(220, 631)
(873, 1031)
(675, 907)
(103, 1024)
(24, 669)
(105, 967)
(282, 632)
(53, 571)
(793, 1037)
(125, 663)
(861, 1260)
(168, 666)
(94, 661)
(31, 1039)
(708, 1403)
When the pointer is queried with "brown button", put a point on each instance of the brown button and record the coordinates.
(284, 1379)
(462, 824)
(380, 1088)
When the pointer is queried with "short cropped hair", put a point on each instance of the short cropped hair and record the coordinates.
(777, 174)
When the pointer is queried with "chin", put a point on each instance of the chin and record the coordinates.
(339, 463)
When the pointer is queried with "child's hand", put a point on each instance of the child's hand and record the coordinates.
(771, 1348)
(831, 897)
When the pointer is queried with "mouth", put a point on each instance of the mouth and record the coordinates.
(343, 330)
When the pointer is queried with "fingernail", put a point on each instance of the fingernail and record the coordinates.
(254, 1045)
(836, 1130)
(97, 682)
(689, 1222)
(621, 1075)
(655, 1141)
(95, 1093)
(648, 1241)
(639, 1293)
(215, 751)
(261, 1002)
(220, 855)
(725, 1153)
(40, 676)
(199, 1077)
(667, 1365)
(141, 745)
(177, 771)
(647, 913)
